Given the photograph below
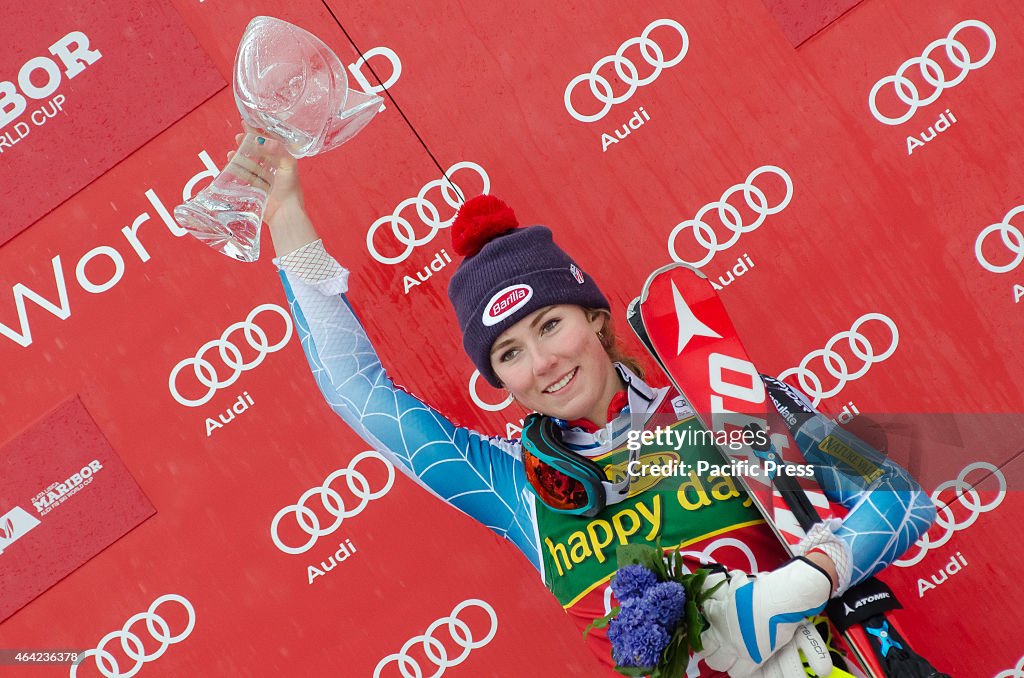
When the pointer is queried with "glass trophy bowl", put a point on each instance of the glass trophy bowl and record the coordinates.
(293, 88)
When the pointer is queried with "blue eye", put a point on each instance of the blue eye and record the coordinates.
(550, 325)
(507, 355)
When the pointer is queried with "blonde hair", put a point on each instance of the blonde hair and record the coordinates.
(610, 341)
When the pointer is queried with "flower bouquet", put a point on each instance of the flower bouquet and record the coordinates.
(658, 622)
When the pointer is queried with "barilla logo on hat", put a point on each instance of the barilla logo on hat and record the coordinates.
(505, 303)
(576, 273)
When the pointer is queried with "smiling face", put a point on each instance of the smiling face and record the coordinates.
(553, 362)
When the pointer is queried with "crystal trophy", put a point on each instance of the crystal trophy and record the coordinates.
(291, 86)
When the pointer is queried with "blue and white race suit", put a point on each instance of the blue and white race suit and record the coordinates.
(483, 475)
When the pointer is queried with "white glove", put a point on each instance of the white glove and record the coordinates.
(751, 618)
(786, 662)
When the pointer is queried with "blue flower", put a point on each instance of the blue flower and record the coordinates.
(629, 618)
(648, 616)
(635, 640)
(663, 604)
(631, 582)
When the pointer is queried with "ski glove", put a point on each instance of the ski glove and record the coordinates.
(752, 617)
(787, 663)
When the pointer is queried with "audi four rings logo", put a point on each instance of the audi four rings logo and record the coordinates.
(332, 502)
(435, 650)
(626, 70)
(756, 200)
(230, 355)
(480, 402)
(426, 211)
(835, 365)
(946, 518)
(932, 72)
(1010, 235)
(132, 645)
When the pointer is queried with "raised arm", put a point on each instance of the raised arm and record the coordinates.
(479, 475)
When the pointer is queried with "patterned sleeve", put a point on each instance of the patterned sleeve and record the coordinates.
(479, 475)
(888, 510)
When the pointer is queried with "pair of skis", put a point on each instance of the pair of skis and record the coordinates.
(684, 325)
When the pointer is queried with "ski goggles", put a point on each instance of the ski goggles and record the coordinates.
(566, 481)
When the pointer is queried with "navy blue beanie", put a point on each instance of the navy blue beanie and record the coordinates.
(508, 273)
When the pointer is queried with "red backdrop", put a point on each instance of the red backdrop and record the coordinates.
(891, 196)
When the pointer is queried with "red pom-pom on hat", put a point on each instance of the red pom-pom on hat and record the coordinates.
(479, 221)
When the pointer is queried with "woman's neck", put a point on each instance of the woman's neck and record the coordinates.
(612, 384)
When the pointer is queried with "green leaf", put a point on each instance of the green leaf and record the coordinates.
(602, 622)
(695, 624)
(697, 584)
(685, 579)
(676, 657)
(710, 592)
(634, 670)
(660, 566)
(636, 554)
(660, 569)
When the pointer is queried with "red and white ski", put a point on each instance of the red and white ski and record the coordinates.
(683, 323)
